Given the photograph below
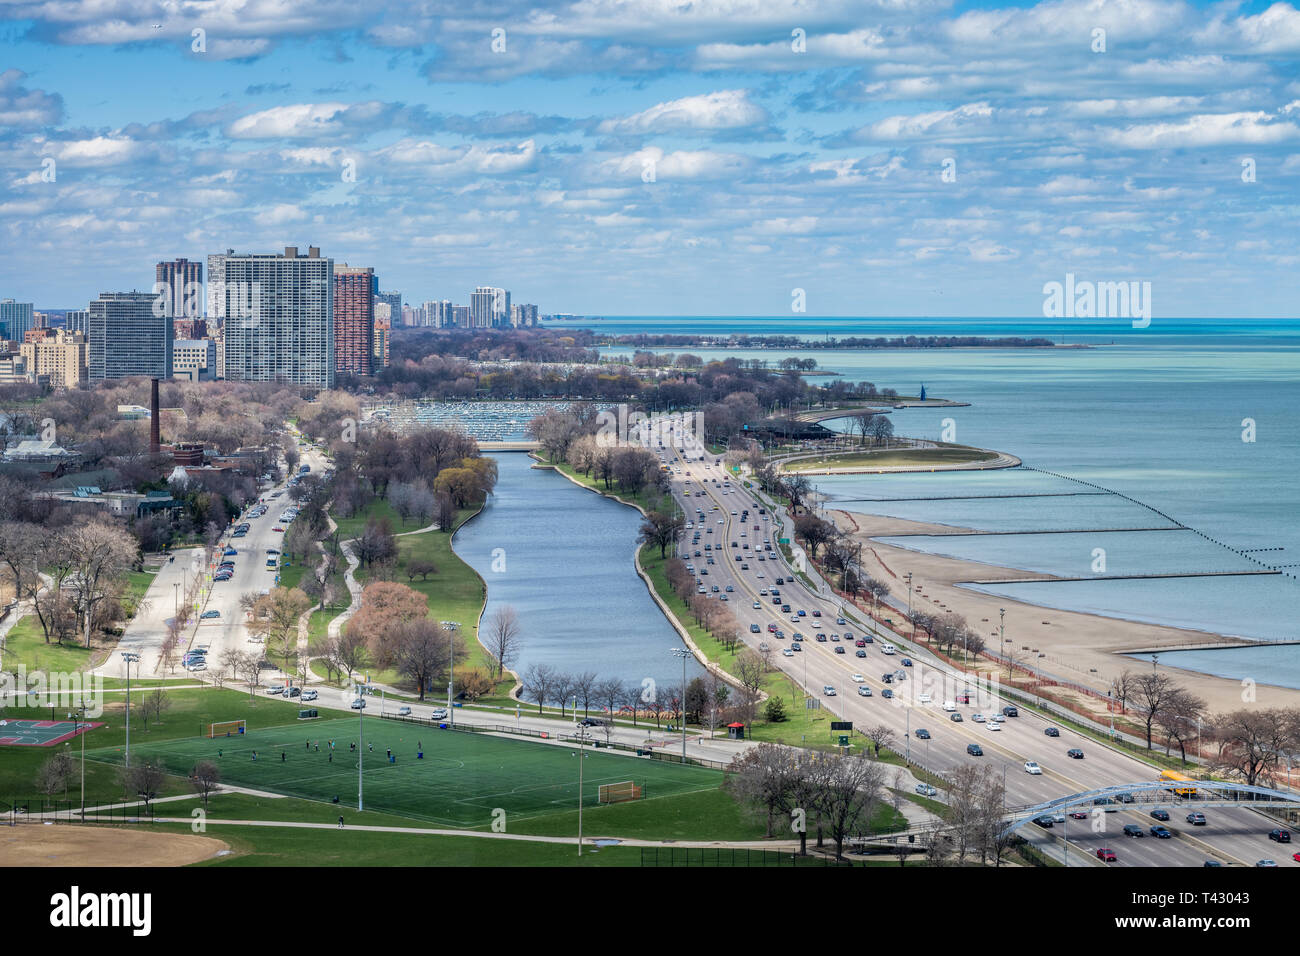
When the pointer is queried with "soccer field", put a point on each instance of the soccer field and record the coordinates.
(462, 778)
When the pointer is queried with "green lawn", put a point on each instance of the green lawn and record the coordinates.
(461, 781)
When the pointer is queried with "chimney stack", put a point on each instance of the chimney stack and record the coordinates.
(155, 438)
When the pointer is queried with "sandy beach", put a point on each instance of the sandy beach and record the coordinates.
(1084, 648)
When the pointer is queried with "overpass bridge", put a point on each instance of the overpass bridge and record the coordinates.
(487, 446)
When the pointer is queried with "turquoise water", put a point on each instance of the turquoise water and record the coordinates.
(1157, 416)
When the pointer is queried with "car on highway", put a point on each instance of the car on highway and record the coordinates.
(1196, 819)
(404, 711)
(1280, 836)
(1052, 732)
(757, 607)
(974, 750)
(828, 690)
(839, 650)
(786, 652)
(926, 790)
(840, 621)
(754, 628)
(864, 691)
(923, 698)
(887, 694)
(859, 653)
(309, 695)
(955, 718)
(1010, 712)
(907, 662)
(1133, 830)
(993, 725)
(1266, 863)
(1044, 822)
(1106, 854)
(858, 678)
(922, 734)
(1078, 814)
(1032, 767)
(978, 718)
(358, 704)
(438, 713)
(209, 615)
(1160, 815)
(1162, 833)
(1074, 753)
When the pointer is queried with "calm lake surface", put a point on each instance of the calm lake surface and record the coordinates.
(565, 564)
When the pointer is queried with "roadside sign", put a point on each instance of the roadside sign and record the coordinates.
(841, 725)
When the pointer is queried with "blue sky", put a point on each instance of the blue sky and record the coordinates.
(655, 156)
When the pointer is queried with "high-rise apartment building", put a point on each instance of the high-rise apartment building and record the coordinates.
(59, 359)
(394, 302)
(15, 319)
(354, 320)
(194, 359)
(127, 339)
(489, 307)
(180, 284)
(75, 320)
(277, 315)
(382, 330)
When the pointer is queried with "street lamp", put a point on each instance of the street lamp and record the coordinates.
(683, 653)
(451, 674)
(131, 658)
(176, 599)
(582, 742)
(908, 578)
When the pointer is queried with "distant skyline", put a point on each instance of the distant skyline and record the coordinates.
(900, 158)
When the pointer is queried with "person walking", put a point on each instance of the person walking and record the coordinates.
(340, 823)
(283, 756)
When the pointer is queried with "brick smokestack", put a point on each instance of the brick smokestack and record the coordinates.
(155, 438)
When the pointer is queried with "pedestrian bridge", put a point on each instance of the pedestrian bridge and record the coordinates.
(508, 446)
(1152, 794)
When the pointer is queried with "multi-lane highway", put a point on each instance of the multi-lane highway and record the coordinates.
(726, 516)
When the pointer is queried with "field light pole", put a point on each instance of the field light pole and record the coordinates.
(81, 718)
(908, 578)
(683, 653)
(130, 658)
(361, 751)
(451, 674)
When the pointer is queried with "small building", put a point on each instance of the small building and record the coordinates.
(736, 731)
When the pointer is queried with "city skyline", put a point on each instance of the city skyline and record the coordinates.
(709, 158)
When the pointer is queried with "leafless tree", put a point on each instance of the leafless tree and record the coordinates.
(504, 638)
(539, 681)
(1151, 692)
(205, 779)
(880, 736)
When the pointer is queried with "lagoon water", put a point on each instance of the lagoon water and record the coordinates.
(1159, 415)
(565, 565)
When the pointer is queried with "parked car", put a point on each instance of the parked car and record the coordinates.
(309, 695)
(209, 615)
(358, 704)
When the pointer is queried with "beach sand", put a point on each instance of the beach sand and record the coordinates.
(1084, 648)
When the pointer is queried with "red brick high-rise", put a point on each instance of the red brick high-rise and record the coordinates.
(354, 320)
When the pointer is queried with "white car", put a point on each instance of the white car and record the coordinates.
(439, 713)
(309, 695)
(925, 790)
(786, 652)
(1031, 767)
(403, 711)
(923, 698)
(828, 690)
(858, 678)
(978, 718)
(993, 726)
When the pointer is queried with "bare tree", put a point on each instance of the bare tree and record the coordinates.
(504, 638)
(539, 680)
(421, 652)
(144, 778)
(584, 687)
(205, 779)
(849, 792)
(55, 773)
(880, 736)
(1151, 692)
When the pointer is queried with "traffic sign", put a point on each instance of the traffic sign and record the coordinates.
(841, 725)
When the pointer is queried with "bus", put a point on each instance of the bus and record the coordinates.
(1174, 777)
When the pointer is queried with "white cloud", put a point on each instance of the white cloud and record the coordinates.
(710, 112)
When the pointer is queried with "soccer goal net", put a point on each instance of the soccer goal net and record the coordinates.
(226, 728)
(618, 792)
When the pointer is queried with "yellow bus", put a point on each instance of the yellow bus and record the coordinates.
(1174, 777)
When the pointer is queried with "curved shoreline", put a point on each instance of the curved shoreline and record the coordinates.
(672, 619)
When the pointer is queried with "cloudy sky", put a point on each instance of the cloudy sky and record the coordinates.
(888, 157)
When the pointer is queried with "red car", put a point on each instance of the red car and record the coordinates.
(1078, 814)
(277, 528)
(1296, 857)
(1106, 855)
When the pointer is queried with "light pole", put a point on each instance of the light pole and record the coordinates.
(908, 578)
(130, 658)
(582, 742)
(451, 674)
(907, 757)
(683, 653)
(81, 717)
(176, 599)
(361, 750)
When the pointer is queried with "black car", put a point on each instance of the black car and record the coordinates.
(906, 662)
(1159, 814)
(860, 653)
(1162, 833)
(1133, 830)
(1280, 836)
(1010, 712)
(1074, 752)
(1044, 822)
(974, 750)
(1052, 732)
(923, 735)
(887, 694)
(839, 649)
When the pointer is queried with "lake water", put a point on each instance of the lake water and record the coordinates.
(565, 564)
(1158, 416)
